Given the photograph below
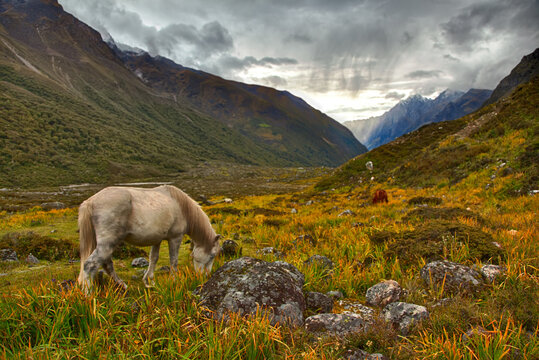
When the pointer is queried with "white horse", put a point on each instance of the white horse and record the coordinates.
(142, 217)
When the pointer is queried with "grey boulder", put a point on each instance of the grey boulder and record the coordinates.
(246, 285)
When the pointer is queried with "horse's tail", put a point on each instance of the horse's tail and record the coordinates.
(86, 235)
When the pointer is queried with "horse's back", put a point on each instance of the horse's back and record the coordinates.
(140, 216)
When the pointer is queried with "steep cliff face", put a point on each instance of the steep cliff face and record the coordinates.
(523, 72)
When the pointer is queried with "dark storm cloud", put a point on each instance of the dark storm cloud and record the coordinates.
(424, 74)
(481, 21)
(450, 57)
(394, 95)
(212, 38)
(299, 38)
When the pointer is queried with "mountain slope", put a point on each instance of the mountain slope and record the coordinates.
(523, 72)
(414, 112)
(496, 148)
(72, 112)
(275, 118)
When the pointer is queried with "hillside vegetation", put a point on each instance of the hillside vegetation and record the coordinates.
(72, 112)
(455, 210)
(495, 149)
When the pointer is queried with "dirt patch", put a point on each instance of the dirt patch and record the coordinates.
(437, 239)
(429, 213)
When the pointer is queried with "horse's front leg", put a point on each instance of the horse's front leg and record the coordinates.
(173, 249)
(148, 275)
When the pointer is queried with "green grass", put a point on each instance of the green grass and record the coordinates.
(40, 320)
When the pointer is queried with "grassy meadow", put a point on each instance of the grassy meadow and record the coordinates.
(43, 317)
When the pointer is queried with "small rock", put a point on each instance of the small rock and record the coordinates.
(228, 200)
(369, 165)
(230, 248)
(513, 232)
(473, 332)
(140, 262)
(67, 285)
(352, 307)
(358, 354)
(443, 302)
(55, 205)
(358, 224)
(310, 202)
(205, 201)
(318, 302)
(164, 268)
(53, 231)
(320, 261)
(335, 294)
(8, 255)
(491, 272)
(31, 259)
(453, 276)
(347, 213)
(336, 324)
(270, 251)
(383, 293)
(404, 316)
(293, 211)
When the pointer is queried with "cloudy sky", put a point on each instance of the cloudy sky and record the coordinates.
(349, 58)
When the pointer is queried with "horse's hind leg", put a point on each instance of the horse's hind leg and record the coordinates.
(109, 268)
(154, 256)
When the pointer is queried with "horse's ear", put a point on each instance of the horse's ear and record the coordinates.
(217, 237)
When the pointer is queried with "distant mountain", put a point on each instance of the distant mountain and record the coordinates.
(523, 72)
(74, 110)
(414, 112)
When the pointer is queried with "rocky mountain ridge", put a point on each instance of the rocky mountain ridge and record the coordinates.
(415, 111)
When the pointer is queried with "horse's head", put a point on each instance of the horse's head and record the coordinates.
(203, 256)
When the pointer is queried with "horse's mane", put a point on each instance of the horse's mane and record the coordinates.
(198, 224)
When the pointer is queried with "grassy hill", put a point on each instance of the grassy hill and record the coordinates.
(497, 145)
